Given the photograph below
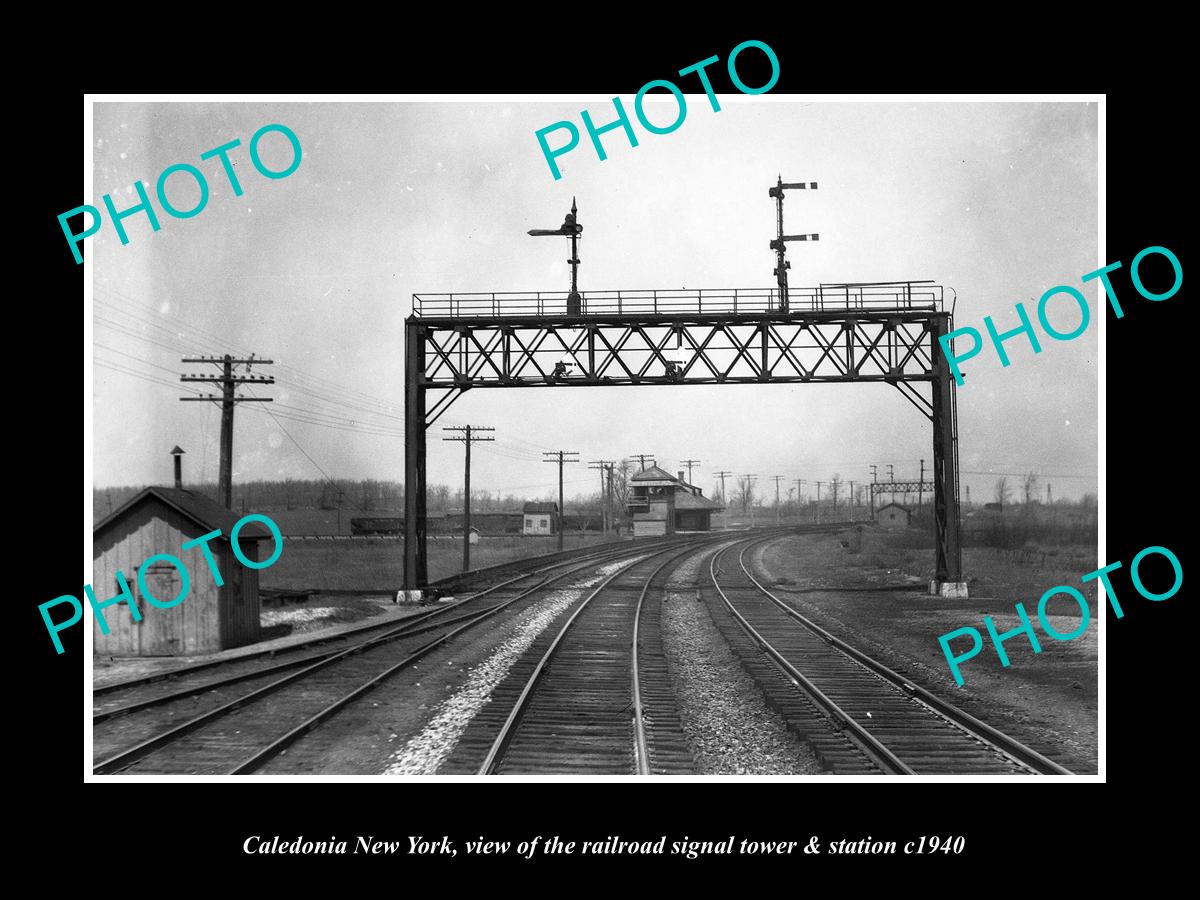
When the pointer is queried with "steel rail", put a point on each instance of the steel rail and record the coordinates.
(641, 746)
(256, 761)
(237, 677)
(131, 755)
(502, 739)
(875, 750)
(406, 623)
(1002, 743)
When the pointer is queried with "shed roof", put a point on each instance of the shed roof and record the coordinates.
(688, 500)
(542, 507)
(206, 513)
(654, 473)
(897, 505)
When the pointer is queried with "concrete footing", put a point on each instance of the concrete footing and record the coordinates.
(403, 596)
(951, 590)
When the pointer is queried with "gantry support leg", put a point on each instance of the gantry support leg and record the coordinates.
(946, 516)
(416, 574)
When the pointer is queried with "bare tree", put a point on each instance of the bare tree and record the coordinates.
(1029, 486)
(1003, 492)
(743, 495)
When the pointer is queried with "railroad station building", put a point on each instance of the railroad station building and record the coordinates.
(660, 503)
(210, 618)
(540, 518)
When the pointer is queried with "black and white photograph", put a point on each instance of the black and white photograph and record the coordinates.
(687, 436)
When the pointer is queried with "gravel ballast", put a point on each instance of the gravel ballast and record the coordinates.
(424, 753)
(729, 726)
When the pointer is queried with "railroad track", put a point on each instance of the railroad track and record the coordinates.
(232, 717)
(249, 660)
(859, 715)
(592, 696)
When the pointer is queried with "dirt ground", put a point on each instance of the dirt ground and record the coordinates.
(1047, 700)
(379, 565)
(282, 626)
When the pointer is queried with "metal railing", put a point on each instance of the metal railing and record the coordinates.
(875, 296)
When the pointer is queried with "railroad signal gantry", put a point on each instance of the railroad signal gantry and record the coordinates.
(884, 332)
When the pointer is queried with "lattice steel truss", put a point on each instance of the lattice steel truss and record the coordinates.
(486, 349)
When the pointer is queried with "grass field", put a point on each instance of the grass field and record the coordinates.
(379, 565)
(990, 571)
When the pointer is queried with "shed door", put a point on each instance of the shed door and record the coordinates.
(160, 628)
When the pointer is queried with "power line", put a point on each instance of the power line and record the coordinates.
(642, 457)
(467, 435)
(560, 457)
(228, 382)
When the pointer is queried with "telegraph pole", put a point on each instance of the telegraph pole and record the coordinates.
(642, 457)
(608, 497)
(818, 514)
(777, 479)
(851, 504)
(722, 476)
(466, 435)
(228, 380)
(560, 457)
(689, 463)
(920, 485)
(602, 465)
(798, 482)
(874, 479)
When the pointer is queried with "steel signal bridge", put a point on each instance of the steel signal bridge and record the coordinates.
(833, 333)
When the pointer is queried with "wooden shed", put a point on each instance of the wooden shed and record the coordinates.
(540, 518)
(894, 516)
(161, 520)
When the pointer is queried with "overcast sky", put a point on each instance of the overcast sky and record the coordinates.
(317, 270)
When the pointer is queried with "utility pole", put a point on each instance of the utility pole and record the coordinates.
(466, 435)
(642, 457)
(851, 501)
(798, 482)
(689, 463)
(777, 479)
(602, 465)
(228, 380)
(874, 474)
(921, 485)
(722, 476)
(560, 457)
(818, 513)
(724, 500)
(1049, 495)
(340, 495)
(608, 498)
(891, 472)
